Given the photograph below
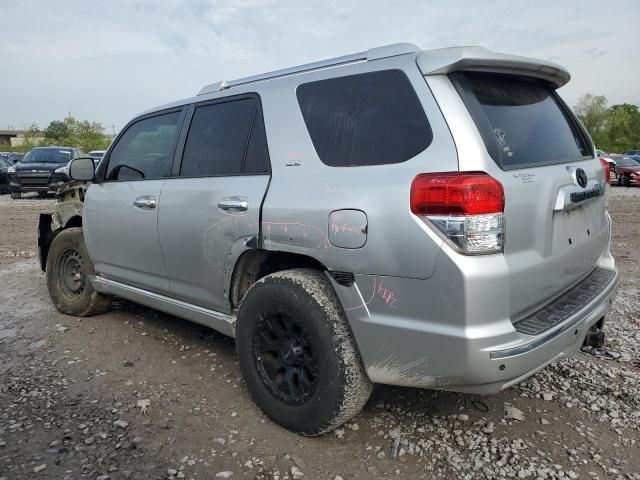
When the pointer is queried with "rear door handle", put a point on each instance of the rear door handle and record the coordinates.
(236, 204)
(146, 202)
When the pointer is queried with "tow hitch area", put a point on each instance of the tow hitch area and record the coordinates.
(595, 335)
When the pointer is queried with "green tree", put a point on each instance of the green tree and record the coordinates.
(57, 131)
(592, 112)
(71, 132)
(623, 128)
(613, 129)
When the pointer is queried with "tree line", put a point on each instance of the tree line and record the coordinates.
(69, 132)
(613, 128)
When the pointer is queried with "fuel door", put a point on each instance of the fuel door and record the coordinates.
(348, 228)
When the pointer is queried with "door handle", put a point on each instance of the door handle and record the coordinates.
(146, 202)
(233, 204)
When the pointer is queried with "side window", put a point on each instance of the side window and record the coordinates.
(367, 119)
(257, 157)
(145, 151)
(218, 141)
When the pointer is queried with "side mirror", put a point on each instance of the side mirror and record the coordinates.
(82, 169)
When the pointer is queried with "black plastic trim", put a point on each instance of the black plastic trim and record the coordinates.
(566, 305)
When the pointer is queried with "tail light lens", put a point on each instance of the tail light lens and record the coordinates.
(465, 207)
(607, 169)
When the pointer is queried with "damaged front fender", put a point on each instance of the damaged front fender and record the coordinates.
(67, 213)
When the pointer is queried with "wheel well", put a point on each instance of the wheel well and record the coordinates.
(46, 235)
(255, 264)
(74, 222)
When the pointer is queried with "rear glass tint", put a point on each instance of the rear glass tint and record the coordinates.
(521, 120)
(366, 119)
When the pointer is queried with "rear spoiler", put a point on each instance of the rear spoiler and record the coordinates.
(478, 59)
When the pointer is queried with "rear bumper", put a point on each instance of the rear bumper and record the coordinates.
(566, 338)
(399, 348)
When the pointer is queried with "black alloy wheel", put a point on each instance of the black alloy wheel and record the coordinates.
(285, 359)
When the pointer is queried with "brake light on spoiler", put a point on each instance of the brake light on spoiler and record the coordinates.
(467, 208)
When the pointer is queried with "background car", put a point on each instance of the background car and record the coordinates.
(633, 152)
(609, 164)
(4, 180)
(96, 155)
(41, 170)
(627, 172)
(15, 157)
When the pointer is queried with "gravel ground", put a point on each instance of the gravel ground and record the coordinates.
(136, 394)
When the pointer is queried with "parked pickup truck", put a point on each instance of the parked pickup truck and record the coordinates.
(432, 219)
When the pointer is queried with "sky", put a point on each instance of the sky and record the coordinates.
(108, 60)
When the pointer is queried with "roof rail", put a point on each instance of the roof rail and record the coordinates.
(371, 54)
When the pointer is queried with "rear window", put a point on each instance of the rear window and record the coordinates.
(522, 121)
(367, 119)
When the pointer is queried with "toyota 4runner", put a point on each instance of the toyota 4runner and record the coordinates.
(432, 219)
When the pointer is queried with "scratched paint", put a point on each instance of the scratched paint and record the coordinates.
(339, 226)
(214, 235)
(294, 233)
(381, 292)
(398, 369)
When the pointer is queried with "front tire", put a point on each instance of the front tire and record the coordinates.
(16, 195)
(297, 355)
(68, 270)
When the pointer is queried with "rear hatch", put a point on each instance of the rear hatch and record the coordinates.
(555, 214)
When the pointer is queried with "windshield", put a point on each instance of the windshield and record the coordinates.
(4, 163)
(627, 162)
(47, 155)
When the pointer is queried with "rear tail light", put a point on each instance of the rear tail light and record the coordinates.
(607, 169)
(467, 208)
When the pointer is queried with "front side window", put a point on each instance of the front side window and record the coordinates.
(145, 151)
(225, 139)
(521, 120)
(367, 119)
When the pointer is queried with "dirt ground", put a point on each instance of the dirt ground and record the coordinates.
(73, 393)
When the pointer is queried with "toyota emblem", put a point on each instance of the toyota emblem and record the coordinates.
(581, 177)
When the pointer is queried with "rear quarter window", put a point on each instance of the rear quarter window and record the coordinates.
(366, 119)
(522, 120)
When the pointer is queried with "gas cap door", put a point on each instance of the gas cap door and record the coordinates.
(348, 228)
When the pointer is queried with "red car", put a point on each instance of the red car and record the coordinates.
(627, 172)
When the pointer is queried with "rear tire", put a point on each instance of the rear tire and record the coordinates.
(297, 355)
(42, 194)
(16, 195)
(68, 270)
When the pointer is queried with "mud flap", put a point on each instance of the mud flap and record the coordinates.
(45, 237)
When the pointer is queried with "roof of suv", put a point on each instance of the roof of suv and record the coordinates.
(431, 62)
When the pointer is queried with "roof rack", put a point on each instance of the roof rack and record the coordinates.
(371, 54)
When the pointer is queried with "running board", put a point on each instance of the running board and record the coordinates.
(218, 321)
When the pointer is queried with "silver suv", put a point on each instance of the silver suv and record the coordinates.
(433, 219)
